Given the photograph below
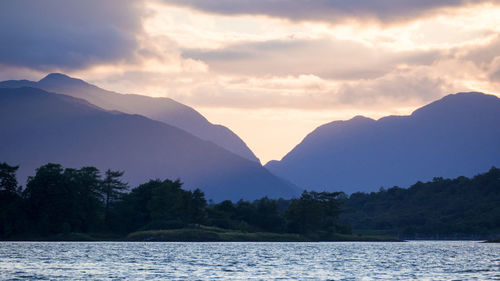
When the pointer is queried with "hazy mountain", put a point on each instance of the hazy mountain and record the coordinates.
(458, 135)
(40, 127)
(161, 109)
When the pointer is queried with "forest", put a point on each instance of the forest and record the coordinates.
(66, 201)
(82, 204)
(460, 208)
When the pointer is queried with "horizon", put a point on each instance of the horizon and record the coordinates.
(319, 62)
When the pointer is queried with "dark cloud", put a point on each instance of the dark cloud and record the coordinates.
(60, 34)
(326, 10)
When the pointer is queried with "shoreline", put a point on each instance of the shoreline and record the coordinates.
(492, 241)
(214, 234)
(202, 235)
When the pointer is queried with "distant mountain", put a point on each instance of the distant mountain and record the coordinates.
(161, 109)
(458, 135)
(39, 127)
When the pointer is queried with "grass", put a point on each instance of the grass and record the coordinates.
(201, 233)
(493, 241)
(213, 234)
(178, 235)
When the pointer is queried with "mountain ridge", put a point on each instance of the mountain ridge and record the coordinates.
(453, 136)
(72, 132)
(162, 109)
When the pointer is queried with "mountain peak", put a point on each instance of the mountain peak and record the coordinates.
(360, 118)
(465, 97)
(55, 76)
(165, 110)
(455, 135)
(466, 94)
(60, 78)
(70, 131)
(459, 102)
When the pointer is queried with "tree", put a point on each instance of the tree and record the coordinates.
(63, 200)
(162, 205)
(112, 188)
(267, 215)
(168, 202)
(86, 182)
(199, 203)
(8, 181)
(50, 196)
(11, 211)
(314, 211)
(133, 209)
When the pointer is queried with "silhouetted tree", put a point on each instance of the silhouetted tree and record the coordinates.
(314, 211)
(8, 181)
(162, 205)
(60, 200)
(267, 216)
(11, 211)
(112, 187)
(452, 208)
(199, 203)
(63, 200)
(223, 215)
(167, 202)
(87, 181)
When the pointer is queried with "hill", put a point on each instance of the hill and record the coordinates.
(161, 109)
(456, 135)
(440, 209)
(40, 127)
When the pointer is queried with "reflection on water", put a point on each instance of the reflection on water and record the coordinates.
(256, 261)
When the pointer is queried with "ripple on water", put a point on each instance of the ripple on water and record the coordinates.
(243, 261)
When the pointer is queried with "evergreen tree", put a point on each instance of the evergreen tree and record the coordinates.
(314, 211)
(198, 205)
(8, 181)
(11, 212)
(87, 181)
(112, 188)
(64, 200)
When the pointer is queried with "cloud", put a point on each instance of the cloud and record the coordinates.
(485, 59)
(327, 10)
(305, 66)
(494, 74)
(483, 54)
(58, 34)
(309, 92)
(326, 58)
(399, 89)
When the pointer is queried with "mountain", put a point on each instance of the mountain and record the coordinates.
(161, 109)
(458, 135)
(40, 127)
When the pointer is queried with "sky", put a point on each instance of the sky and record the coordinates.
(270, 70)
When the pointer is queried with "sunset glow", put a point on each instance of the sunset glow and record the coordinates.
(271, 71)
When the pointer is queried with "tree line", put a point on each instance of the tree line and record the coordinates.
(64, 200)
(439, 209)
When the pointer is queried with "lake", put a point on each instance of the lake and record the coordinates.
(422, 260)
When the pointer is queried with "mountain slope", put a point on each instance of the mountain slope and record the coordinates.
(40, 127)
(457, 135)
(161, 109)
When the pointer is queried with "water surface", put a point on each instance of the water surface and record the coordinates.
(255, 261)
